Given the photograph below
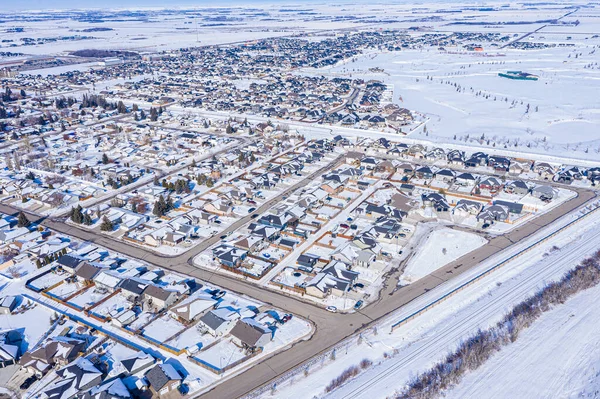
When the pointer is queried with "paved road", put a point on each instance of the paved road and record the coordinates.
(330, 328)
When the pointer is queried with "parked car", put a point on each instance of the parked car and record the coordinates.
(331, 309)
(358, 305)
(344, 226)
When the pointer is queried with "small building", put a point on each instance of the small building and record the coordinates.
(163, 379)
(249, 333)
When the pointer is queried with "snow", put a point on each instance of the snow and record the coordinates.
(557, 357)
(441, 247)
(163, 328)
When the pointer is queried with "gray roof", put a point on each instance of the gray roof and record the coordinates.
(160, 375)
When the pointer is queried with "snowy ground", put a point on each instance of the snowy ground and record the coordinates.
(557, 357)
(440, 248)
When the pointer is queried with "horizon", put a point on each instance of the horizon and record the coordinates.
(44, 5)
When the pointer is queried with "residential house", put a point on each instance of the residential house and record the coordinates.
(493, 214)
(249, 333)
(544, 193)
(158, 297)
(517, 187)
(163, 380)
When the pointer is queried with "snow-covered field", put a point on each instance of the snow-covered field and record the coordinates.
(441, 247)
(558, 357)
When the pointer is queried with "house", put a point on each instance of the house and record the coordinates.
(593, 174)
(518, 166)
(436, 154)
(544, 170)
(490, 183)
(69, 263)
(500, 164)
(163, 379)
(10, 235)
(466, 207)
(517, 187)
(465, 179)
(249, 333)
(112, 389)
(424, 172)
(279, 221)
(307, 261)
(158, 297)
(456, 157)
(476, 159)
(252, 242)
(335, 279)
(194, 309)
(436, 201)
(8, 304)
(445, 175)
(87, 271)
(493, 214)
(365, 258)
(57, 351)
(544, 193)
(229, 256)
(568, 174)
(368, 163)
(353, 157)
(137, 362)
(75, 378)
(513, 207)
(11, 342)
(107, 280)
(218, 322)
(133, 288)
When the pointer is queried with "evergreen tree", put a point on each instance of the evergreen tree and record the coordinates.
(87, 219)
(121, 108)
(105, 159)
(106, 225)
(22, 220)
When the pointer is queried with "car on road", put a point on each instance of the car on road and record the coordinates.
(358, 305)
(251, 210)
(331, 309)
(28, 382)
(254, 216)
(223, 237)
